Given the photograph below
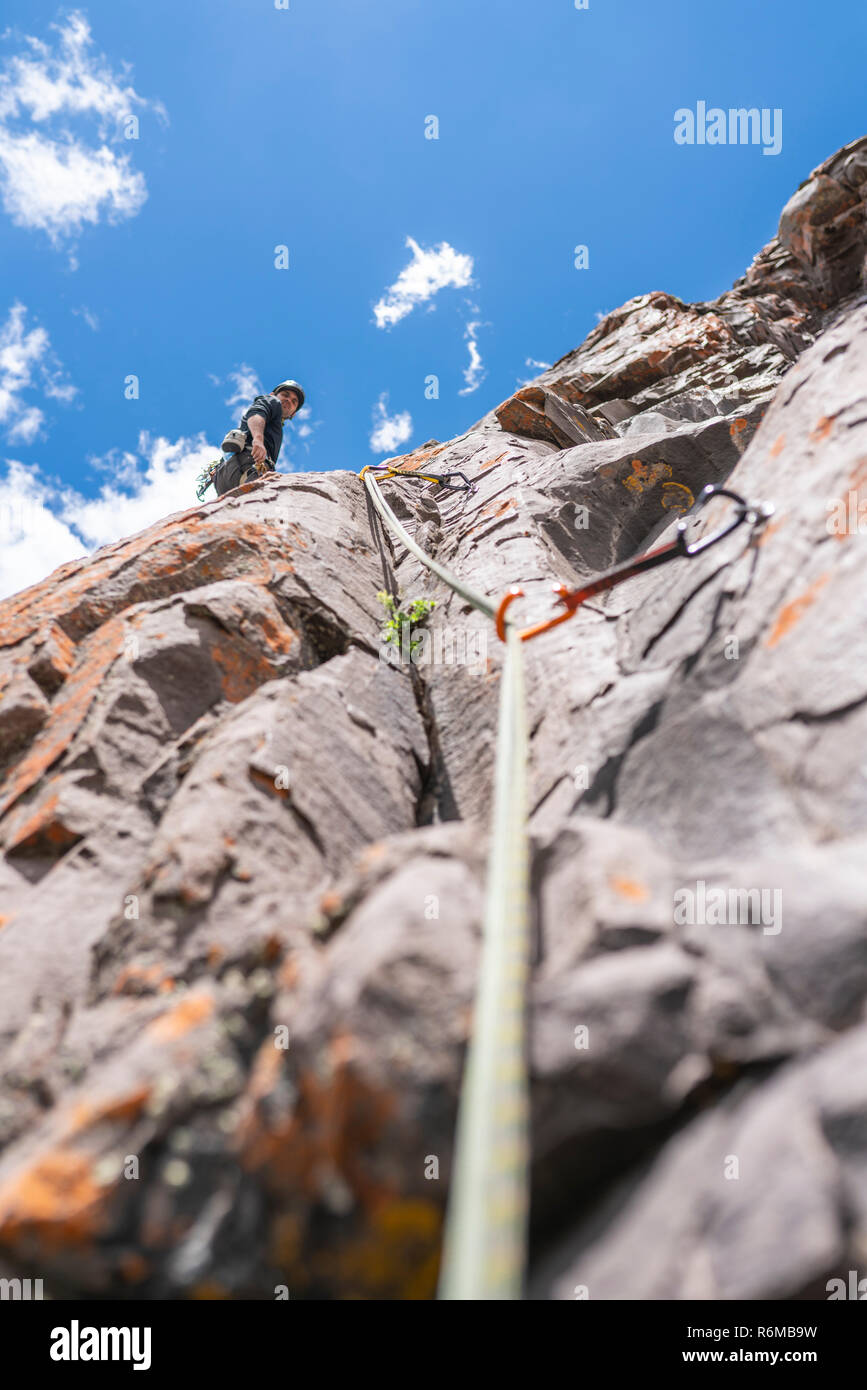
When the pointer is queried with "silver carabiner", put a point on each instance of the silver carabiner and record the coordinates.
(744, 511)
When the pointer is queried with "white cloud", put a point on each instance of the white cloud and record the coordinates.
(245, 385)
(43, 524)
(475, 373)
(51, 178)
(144, 488)
(33, 539)
(389, 431)
(304, 427)
(27, 363)
(57, 188)
(123, 466)
(428, 272)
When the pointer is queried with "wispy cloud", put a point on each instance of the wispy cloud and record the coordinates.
(537, 368)
(389, 431)
(54, 176)
(89, 317)
(244, 381)
(305, 426)
(475, 373)
(429, 271)
(27, 363)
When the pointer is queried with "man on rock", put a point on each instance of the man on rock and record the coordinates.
(262, 426)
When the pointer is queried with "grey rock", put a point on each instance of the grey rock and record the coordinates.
(243, 855)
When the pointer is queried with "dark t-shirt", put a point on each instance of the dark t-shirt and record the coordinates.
(271, 409)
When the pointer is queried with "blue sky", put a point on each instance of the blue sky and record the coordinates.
(304, 127)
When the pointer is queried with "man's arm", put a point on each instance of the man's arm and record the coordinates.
(256, 426)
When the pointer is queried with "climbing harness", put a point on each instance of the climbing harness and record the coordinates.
(209, 472)
(443, 479)
(572, 599)
(484, 1247)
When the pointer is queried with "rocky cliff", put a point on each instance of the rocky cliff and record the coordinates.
(243, 856)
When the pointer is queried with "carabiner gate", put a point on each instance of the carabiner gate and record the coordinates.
(743, 512)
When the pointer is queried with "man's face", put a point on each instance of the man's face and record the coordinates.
(289, 402)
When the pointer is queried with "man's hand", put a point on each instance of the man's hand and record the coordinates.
(256, 425)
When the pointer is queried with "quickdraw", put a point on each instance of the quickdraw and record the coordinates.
(571, 599)
(443, 479)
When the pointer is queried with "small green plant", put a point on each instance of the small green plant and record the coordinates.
(399, 618)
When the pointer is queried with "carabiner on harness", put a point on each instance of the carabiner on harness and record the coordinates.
(571, 599)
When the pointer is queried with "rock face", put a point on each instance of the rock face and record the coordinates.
(243, 856)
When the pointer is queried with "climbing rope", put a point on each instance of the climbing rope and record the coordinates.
(477, 600)
(484, 1248)
(486, 1229)
(485, 1240)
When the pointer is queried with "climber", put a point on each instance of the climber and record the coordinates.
(254, 447)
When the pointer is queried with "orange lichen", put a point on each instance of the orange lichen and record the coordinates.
(770, 529)
(243, 669)
(139, 979)
(209, 1290)
(290, 973)
(261, 779)
(676, 497)
(56, 1200)
(133, 1267)
(373, 854)
(334, 1122)
(822, 428)
(44, 829)
(499, 508)
(87, 1114)
(188, 1014)
(792, 612)
(272, 949)
(629, 888)
(396, 1255)
(96, 656)
(645, 475)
